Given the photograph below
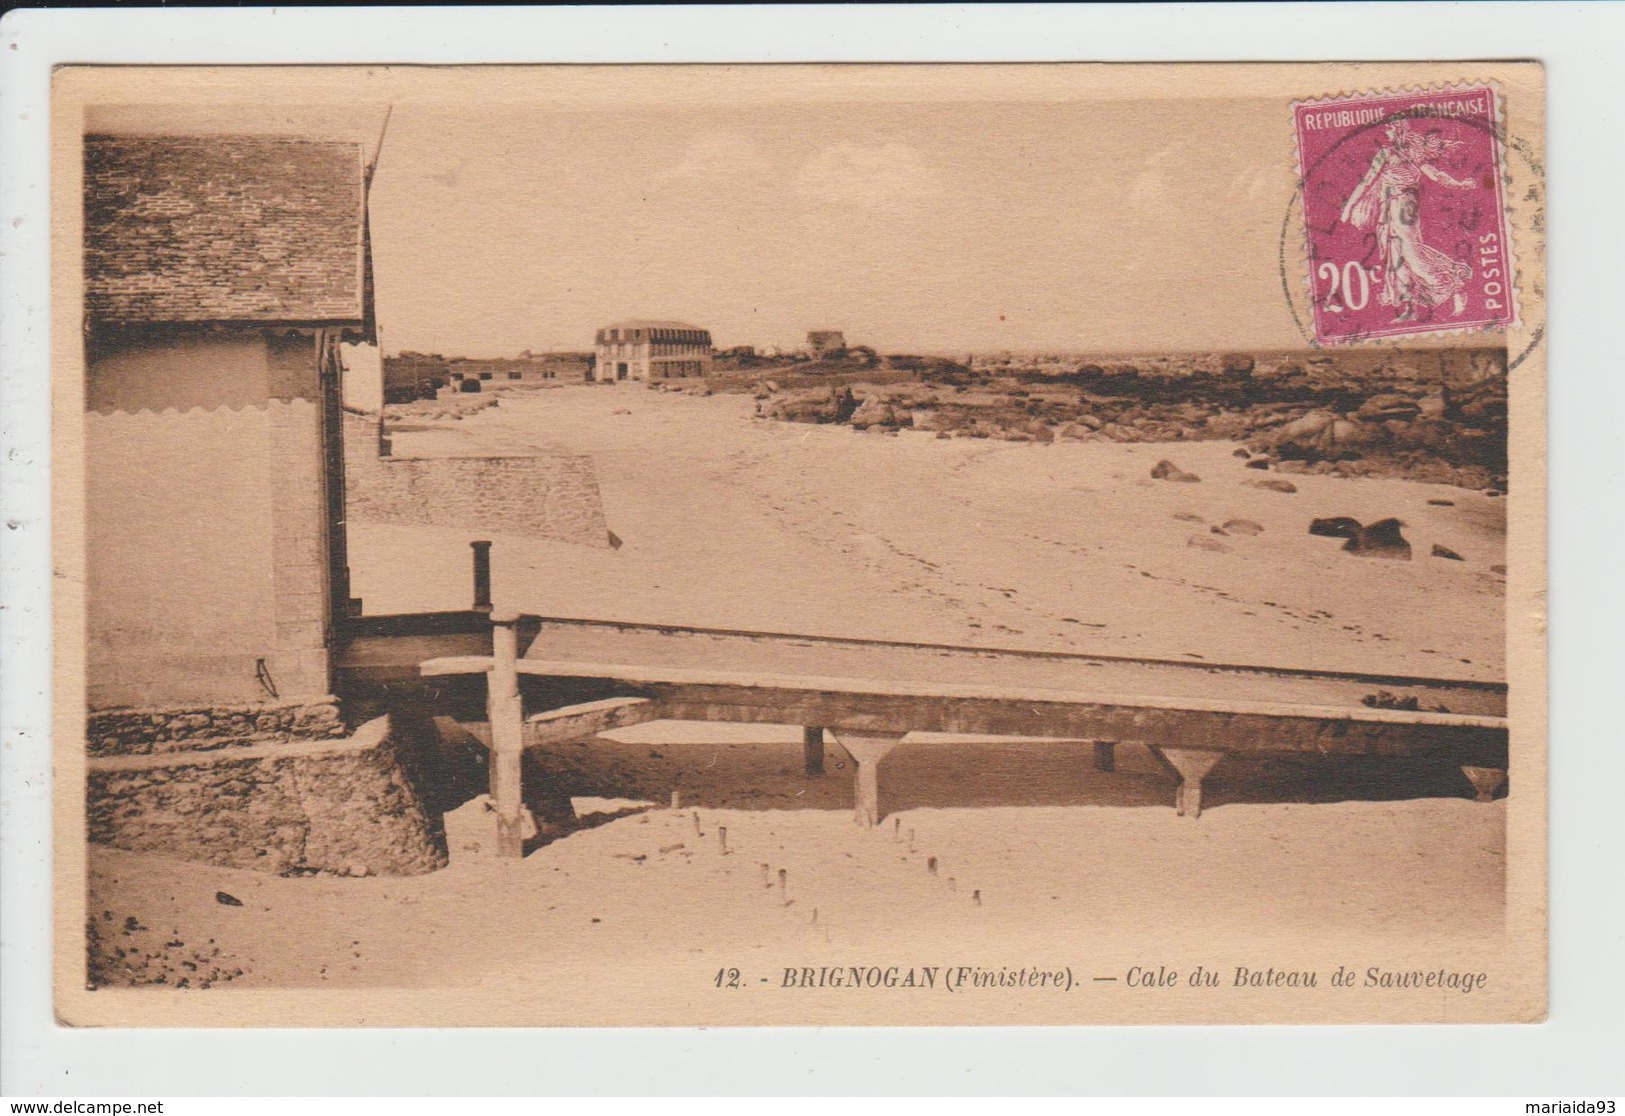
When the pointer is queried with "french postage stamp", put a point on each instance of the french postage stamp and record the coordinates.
(1404, 213)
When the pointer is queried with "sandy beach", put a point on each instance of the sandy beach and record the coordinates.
(730, 521)
(726, 520)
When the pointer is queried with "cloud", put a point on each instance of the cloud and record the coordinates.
(714, 155)
(885, 177)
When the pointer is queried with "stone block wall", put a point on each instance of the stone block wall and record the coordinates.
(550, 496)
(142, 732)
(343, 806)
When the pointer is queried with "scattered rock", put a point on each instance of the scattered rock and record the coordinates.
(227, 900)
(1189, 517)
(1217, 530)
(1443, 503)
(1207, 542)
(1492, 492)
(1502, 570)
(1335, 527)
(1240, 451)
(1168, 471)
(1259, 463)
(1274, 485)
(873, 411)
(1380, 540)
(1446, 552)
(1242, 527)
(1383, 408)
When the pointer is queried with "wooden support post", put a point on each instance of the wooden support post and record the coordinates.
(482, 575)
(1486, 781)
(504, 707)
(1193, 765)
(812, 749)
(1105, 755)
(867, 750)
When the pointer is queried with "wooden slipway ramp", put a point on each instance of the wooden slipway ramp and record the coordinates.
(584, 677)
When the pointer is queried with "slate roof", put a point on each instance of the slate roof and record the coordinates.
(653, 323)
(225, 229)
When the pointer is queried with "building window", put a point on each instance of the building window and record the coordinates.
(516, 375)
(485, 375)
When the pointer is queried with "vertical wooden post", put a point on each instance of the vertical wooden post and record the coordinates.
(506, 711)
(1105, 755)
(482, 575)
(867, 750)
(812, 749)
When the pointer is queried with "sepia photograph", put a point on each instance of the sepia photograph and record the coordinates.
(788, 545)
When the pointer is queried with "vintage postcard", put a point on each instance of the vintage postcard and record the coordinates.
(770, 545)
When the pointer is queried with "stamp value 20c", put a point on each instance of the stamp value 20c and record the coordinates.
(1404, 213)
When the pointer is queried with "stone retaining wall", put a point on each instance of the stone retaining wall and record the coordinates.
(141, 732)
(551, 496)
(343, 806)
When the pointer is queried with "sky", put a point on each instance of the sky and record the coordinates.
(933, 209)
(1104, 225)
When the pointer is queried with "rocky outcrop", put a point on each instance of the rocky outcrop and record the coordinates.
(1168, 471)
(1381, 539)
(1420, 415)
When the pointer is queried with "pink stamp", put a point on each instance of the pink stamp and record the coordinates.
(1404, 213)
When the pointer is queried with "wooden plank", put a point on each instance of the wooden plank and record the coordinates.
(693, 680)
(578, 722)
(398, 625)
(812, 656)
(1064, 721)
(560, 624)
(457, 664)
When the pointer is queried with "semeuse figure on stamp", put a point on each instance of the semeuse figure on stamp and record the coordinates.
(1415, 274)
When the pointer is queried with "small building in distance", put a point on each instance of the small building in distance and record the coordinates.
(410, 375)
(826, 342)
(222, 276)
(525, 370)
(652, 350)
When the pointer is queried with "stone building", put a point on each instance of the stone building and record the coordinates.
(652, 350)
(222, 276)
(824, 342)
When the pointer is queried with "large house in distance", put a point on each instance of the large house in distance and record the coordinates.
(652, 350)
(222, 275)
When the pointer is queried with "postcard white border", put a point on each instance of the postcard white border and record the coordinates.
(1568, 1056)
